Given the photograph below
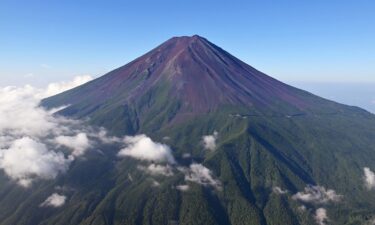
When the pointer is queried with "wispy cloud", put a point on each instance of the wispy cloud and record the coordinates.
(317, 195)
(161, 170)
(155, 183)
(183, 187)
(55, 200)
(278, 190)
(202, 175)
(55, 88)
(321, 216)
(369, 178)
(209, 141)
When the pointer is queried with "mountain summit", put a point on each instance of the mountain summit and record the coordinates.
(183, 77)
(239, 148)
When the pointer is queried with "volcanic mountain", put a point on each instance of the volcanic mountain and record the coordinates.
(183, 78)
(265, 152)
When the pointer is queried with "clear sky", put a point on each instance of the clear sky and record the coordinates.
(292, 40)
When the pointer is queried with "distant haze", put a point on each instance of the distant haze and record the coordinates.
(356, 94)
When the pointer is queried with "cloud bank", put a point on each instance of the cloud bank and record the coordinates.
(28, 134)
(143, 148)
(317, 195)
(209, 141)
(55, 200)
(20, 113)
(27, 158)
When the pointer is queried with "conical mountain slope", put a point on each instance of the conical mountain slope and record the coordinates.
(248, 149)
(184, 77)
(198, 73)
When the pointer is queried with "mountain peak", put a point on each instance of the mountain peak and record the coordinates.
(192, 76)
(177, 44)
(192, 38)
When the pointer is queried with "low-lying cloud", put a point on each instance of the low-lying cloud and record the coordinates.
(27, 158)
(56, 88)
(20, 113)
(55, 200)
(79, 143)
(369, 178)
(28, 134)
(321, 216)
(279, 190)
(209, 141)
(35, 143)
(202, 175)
(317, 195)
(158, 170)
(183, 187)
(143, 148)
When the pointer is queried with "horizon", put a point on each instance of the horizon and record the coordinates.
(362, 94)
(292, 45)
(44, 42)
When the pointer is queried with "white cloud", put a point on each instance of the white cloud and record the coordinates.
(79, 143)
(186, 155)
(183, 188)
(321, 216)
(55, 200)
(20, 113)
(143, 148)
(209, 141)
(301, 208)
(202, 175)
(155, 183)
(103, 136)
(278, 190)
(28, 133)
(56, 88)
(156, 170)
(317, 195)
(369, 178)
(27, 159)
(130, 177)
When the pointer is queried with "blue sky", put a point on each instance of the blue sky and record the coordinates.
(291, 40)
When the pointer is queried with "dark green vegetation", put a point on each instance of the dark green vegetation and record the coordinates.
(288, 142)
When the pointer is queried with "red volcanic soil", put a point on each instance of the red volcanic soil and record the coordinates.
(201, 74)
(197, 74)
